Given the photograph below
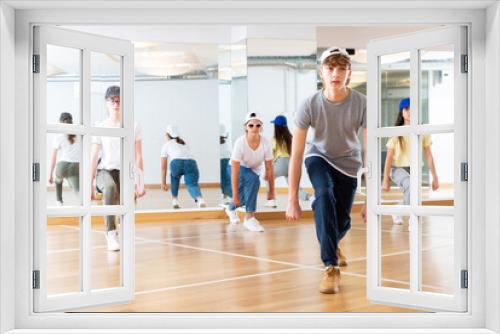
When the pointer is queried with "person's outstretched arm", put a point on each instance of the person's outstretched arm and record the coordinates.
(163, 161)
(235, 172)
(293, 211)
(432, 167)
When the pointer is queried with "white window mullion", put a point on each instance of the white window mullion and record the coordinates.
(414, 171)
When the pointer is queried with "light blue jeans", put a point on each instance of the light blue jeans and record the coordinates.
(189, 169)
(248, 188)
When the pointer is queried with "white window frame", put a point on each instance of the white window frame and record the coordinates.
(484, 97)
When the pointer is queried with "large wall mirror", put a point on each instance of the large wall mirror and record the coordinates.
(200, 81)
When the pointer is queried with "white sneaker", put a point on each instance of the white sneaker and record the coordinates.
(226, 200)
(253, 225)
(233, 216)
(175, 204)
(397, 220)
(232, 227)
(112, 240)
(271, 203)
(60, 203)
(201, 202)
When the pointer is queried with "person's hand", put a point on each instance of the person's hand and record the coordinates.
(139, 194)
(386, 185)
(236, 200)
(363, 213)
(92, 194)
(293, 210)
(435, 184)
(51, 179)
(164, 187)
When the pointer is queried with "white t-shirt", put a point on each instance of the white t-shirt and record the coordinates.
(65, 150)
(110, 146)
(225, 150)
(173, 150)
(253, 159)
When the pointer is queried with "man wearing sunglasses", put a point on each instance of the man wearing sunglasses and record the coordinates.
(332, 159)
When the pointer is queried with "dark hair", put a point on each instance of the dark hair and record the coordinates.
(67, 118)
(222, 140)
(177, 139)
(112, 91)
(399, 122)
(283, 136)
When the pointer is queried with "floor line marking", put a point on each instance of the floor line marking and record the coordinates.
(236, 278)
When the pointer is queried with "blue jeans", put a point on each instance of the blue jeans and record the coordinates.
(188, 168)
(248, 188)
(334, 194)
(225, 178)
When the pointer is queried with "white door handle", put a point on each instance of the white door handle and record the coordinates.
(367, 171)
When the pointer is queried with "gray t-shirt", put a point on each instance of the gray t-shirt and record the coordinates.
(336, 126)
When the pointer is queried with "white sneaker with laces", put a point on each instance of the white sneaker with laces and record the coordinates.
(175, 204)
(253, 225)
(233, 216)
(271, 203)
(397, 220)
(112, 240)
(201, 202)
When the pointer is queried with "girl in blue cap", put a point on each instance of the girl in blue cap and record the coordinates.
(397, 161)
(282, 147)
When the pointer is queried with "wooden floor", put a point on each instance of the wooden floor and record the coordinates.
(200, 266)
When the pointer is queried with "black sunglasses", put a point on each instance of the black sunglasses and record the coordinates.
(256, 125)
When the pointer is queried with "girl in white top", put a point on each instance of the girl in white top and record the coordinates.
(105, 163)
(182, 163)
(250, 152)
(66, 151)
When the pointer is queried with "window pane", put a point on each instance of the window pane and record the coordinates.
(436, 85)
(63, 83)
(394, 85)
(395, 252)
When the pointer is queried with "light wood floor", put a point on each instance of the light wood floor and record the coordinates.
(199, 266)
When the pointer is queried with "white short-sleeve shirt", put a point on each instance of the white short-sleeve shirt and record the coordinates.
(173, 150)
(249, 158)
(65, 150)
(110, 147)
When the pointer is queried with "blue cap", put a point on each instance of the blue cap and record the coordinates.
(280, 120)
(404, 103)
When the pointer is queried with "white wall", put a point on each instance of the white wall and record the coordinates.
(192, 105)
(7, 167)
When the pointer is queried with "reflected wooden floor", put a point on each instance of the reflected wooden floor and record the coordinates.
(199, 266)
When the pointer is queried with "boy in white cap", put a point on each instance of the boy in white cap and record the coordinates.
(182, 163)
(250, 152)
(332, 158)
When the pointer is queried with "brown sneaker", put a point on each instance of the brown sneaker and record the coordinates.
(330, 281)
(342, 259)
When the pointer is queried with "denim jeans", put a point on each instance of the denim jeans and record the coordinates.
(189, 169)
(225, 178)
(248, 188)
(334, 194)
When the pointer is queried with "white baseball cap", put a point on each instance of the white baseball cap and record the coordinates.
(172, 130)
(333, 51)
(252, 115)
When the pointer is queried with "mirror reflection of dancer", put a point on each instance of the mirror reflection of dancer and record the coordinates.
(397, 161)
(66, 151)
(106, 170)
(250, 151)
(225, 172)
(282, 147)
(182, 163)
(333, 158)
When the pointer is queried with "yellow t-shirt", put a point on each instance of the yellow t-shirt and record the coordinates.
(281, 151)
(401, 158)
